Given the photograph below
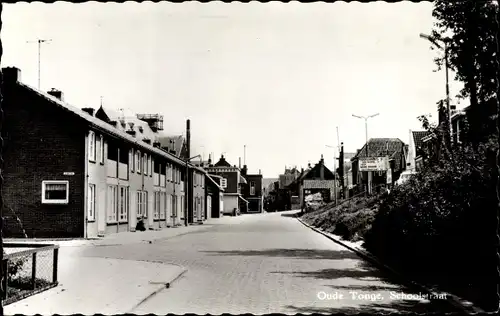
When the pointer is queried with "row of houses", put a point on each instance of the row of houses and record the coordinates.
(70, 172)
(385, 158)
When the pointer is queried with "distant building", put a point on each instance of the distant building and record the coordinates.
(232, 182)
(290, 175)
(392, 148)
(253, 191)
(318, 179)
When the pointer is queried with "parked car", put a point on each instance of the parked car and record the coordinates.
(405, 176)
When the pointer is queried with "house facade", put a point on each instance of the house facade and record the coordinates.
(215, 196)
(318, 179)
(71, 174)
(253, 191)
(232, 182)
(392, 149)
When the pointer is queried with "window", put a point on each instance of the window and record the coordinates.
(138, 161)
(55, 192)
(142, 204)
(156, 210)
(150, 166)
(101, 157)
(163, 211)
(92, 146)
(145, 163)
(132, 160)
(91, 203)
(124, 204)
(252, 188)
(112, 203)
(223, 183)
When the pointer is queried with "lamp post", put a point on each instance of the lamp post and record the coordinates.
(444, 47)
(186, 186)
(369, 184)
(334, 172)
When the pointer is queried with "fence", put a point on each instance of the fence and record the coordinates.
(32, 268)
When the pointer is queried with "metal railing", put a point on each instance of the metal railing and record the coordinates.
(31, 269)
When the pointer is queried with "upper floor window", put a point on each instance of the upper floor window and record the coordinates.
(101, 158)
(252, 188)
(132, 160)
(92, 149)
(145, 163)
(138, 161)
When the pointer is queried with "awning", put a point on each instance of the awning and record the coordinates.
(242, 179)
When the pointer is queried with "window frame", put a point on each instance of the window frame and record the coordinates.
(252, 186)
(145, 164)
(91, 202)
(123, 204)
(91, 146)
(101, 149)
(112, 204)
(138, 161)
(54, 201)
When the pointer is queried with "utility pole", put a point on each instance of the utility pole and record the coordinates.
(244, 155)
(40, 42)
(370, 175)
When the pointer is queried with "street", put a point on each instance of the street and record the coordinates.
(266, 263)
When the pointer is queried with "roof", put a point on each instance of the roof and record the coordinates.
(172, 142)
(316, 171)
(380, 147)
(222, 162)
(104, 127)
(417, 137)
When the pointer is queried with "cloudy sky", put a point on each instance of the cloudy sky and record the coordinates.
(278, 78)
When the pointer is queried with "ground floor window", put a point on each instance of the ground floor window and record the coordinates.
(123, 204)
(156, 209)
(112, 203)
(142, 204)
(163, 211)
(91, 203)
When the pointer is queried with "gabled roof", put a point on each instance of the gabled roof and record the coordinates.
(315, 172)
(380, 147)
(99, 125)
(222, 163)
(417, 137)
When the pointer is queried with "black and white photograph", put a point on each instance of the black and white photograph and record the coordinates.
(249, 158)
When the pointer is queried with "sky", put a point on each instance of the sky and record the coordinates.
(280, 78)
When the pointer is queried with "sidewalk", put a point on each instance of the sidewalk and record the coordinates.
(124, 238)
(95, 285)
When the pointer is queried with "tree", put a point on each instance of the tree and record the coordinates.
(471, 53)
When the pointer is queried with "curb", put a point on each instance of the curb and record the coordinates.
(454, 300)
(163, 286)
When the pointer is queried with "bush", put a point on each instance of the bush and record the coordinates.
(440, 226)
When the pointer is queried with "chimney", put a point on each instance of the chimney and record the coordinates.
(322, 161)
(244, 170)
(11, 74)
(259, 171)
(56, 94)
(188, 139)
(209, 159)
(90, 111)
(239, 166)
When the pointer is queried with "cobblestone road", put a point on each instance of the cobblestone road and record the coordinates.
(267, 263)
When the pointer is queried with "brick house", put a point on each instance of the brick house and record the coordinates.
(253, 191)
(415, 152)
(70, 174)
(318, 179)
(232, 182)
(393, 148)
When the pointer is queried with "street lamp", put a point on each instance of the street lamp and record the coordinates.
(367, 146)
(186, 190)
(334, 172)
(434, 41)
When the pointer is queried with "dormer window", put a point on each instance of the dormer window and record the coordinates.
(141, 129)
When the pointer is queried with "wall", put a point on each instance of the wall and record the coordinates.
(41, 143)
(230, 203)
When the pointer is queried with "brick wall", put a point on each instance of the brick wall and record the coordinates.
(41, 143)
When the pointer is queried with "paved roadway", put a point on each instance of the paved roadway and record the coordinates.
(267, 263)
